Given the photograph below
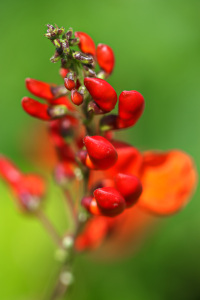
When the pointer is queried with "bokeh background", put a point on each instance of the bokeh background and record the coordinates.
(157, 49)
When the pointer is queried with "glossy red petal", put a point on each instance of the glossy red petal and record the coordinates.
(101, 152)
(102, 93)
(110, 201)
(105, 58)
(36, 109)
(39, 88)
(131, 106)
(129, 186)
(86, 44)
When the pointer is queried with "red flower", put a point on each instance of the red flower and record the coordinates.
(29, 189)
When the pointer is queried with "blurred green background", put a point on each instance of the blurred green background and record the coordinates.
(157, 49)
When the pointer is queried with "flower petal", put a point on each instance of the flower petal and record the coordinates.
(168, 180)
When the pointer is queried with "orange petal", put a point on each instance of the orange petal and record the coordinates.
(168, 181)
(112, 238)
(93, 234)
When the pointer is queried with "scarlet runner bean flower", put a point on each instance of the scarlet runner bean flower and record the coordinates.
(114, 180)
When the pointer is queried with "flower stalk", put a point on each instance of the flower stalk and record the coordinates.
(110, 177)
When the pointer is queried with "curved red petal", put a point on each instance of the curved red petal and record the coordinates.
(86, 44)
(110, 201)
(102, 93)
(36, 109)
(105, 58)
(131, 106)
(39, 88)
(101, 152)
(129, 186)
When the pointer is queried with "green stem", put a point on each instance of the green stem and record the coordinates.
(49, 227)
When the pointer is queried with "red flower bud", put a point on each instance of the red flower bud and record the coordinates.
(101, 152)
(69, 84)
(102, 93)
(86, 43)
(105, 57)
(110, 201)
(69, 81)
(76, 97)
(130, 187)
(131, 106)
(36, 109)
(39, 88)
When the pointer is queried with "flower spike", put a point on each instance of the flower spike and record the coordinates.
(110, 176)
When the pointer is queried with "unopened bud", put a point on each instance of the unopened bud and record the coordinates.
(69, 81)
(76, 97)
(102, 93)
(61, 30)
(101, 152)
(83, 58)
(74, 42)
(69, 33)
(57, 43)
(65, 47)
(110, 202)
(56, 57)
(86, 44)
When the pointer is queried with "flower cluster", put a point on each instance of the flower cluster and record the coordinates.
(117, 179)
